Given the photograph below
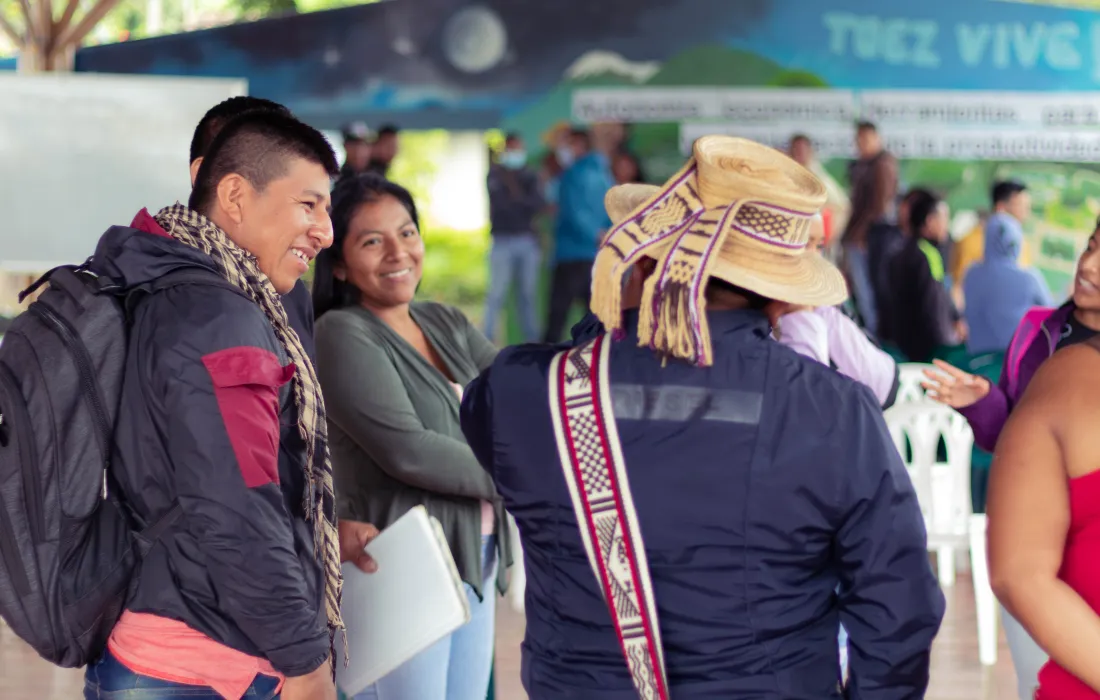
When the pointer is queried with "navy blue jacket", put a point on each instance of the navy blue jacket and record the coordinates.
(763, 484)
(207, 420)
(514, 200)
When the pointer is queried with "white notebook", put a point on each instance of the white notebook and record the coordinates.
(414, 599)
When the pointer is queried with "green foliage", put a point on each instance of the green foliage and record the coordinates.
(456, 267)
(1058, 248)
(417, 162)
(714, 64)
(128, 19)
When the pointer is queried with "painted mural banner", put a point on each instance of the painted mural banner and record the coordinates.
(485, 64)
(961, 125)
(954, 125)
(957, 141)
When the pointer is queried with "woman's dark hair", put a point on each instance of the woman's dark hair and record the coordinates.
(922, 203)
(351, 193)
(639, 174)
(757, 302)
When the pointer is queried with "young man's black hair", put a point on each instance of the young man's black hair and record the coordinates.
(1006, 190)
(386, 130)
(220, 114)
(259, 146)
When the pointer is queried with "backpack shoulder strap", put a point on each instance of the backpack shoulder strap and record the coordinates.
(592, 462)
(146, 534)
(177, 278)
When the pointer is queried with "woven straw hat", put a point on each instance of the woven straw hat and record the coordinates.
(739, 211)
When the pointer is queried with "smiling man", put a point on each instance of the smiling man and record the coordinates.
(297, 302)
(239, 594)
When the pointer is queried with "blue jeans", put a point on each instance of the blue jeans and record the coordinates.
(857, 265)
(842, 643)
(514, 258)
(109, 679)
(1027, 656)
(458, 666)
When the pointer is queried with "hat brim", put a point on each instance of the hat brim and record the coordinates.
(811, 281)
(621, 200)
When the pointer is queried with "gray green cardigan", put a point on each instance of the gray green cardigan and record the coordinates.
(394, 431)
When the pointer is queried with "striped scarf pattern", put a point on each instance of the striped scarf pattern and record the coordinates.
(242, 270)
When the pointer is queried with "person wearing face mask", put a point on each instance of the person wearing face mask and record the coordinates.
(392, 372)
(516, 256)
(581, 223)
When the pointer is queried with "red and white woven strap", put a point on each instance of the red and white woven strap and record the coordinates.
(592, 461)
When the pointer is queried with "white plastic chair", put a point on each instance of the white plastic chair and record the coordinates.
(517, 584)
(943, 492)
(910, 375)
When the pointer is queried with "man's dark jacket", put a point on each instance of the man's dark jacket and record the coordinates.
(773, 505)
(207, 420)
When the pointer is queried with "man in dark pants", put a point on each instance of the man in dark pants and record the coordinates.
(581, 224)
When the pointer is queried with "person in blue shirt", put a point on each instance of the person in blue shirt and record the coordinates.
(581, 223)
(766, 503)
(998, 292)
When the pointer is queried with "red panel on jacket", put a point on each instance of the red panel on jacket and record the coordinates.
(246, 385)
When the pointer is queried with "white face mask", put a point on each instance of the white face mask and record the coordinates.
(564, 155)
(513, 159)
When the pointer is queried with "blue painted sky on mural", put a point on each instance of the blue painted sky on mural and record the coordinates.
(469, 63)
(938, 44)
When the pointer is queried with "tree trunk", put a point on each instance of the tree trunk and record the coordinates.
(33, 59)
(49, 44)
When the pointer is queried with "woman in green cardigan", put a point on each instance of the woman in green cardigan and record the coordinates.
(392, 372)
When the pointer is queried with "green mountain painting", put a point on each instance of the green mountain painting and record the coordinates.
(657, 145)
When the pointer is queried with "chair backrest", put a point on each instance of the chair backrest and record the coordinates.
(910, 376)
(943, 487)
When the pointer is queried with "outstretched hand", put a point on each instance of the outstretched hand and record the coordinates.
(954, 387)
(354, 537)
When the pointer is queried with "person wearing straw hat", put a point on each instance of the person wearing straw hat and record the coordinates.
(701, 507)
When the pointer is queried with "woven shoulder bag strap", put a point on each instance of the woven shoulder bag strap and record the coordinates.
(592, 461)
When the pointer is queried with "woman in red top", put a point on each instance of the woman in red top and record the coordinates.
(1044, 515)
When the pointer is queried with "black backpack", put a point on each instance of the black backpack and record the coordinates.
(69, 545)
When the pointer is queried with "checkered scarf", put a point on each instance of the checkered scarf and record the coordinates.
(241, 269)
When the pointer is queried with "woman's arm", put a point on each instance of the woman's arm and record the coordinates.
(857, 357)
(988, 414)
(366, 398)
(1029, 514)
(482, 350)
(806, 333)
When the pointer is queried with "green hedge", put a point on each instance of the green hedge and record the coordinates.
(456, 267)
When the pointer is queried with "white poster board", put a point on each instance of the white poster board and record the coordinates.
(923, 124)
(82, 152)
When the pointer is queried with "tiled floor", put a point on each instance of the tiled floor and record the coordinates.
(956, 673)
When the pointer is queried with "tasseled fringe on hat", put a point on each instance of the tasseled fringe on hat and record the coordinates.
(607, 288)
(671, 322)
